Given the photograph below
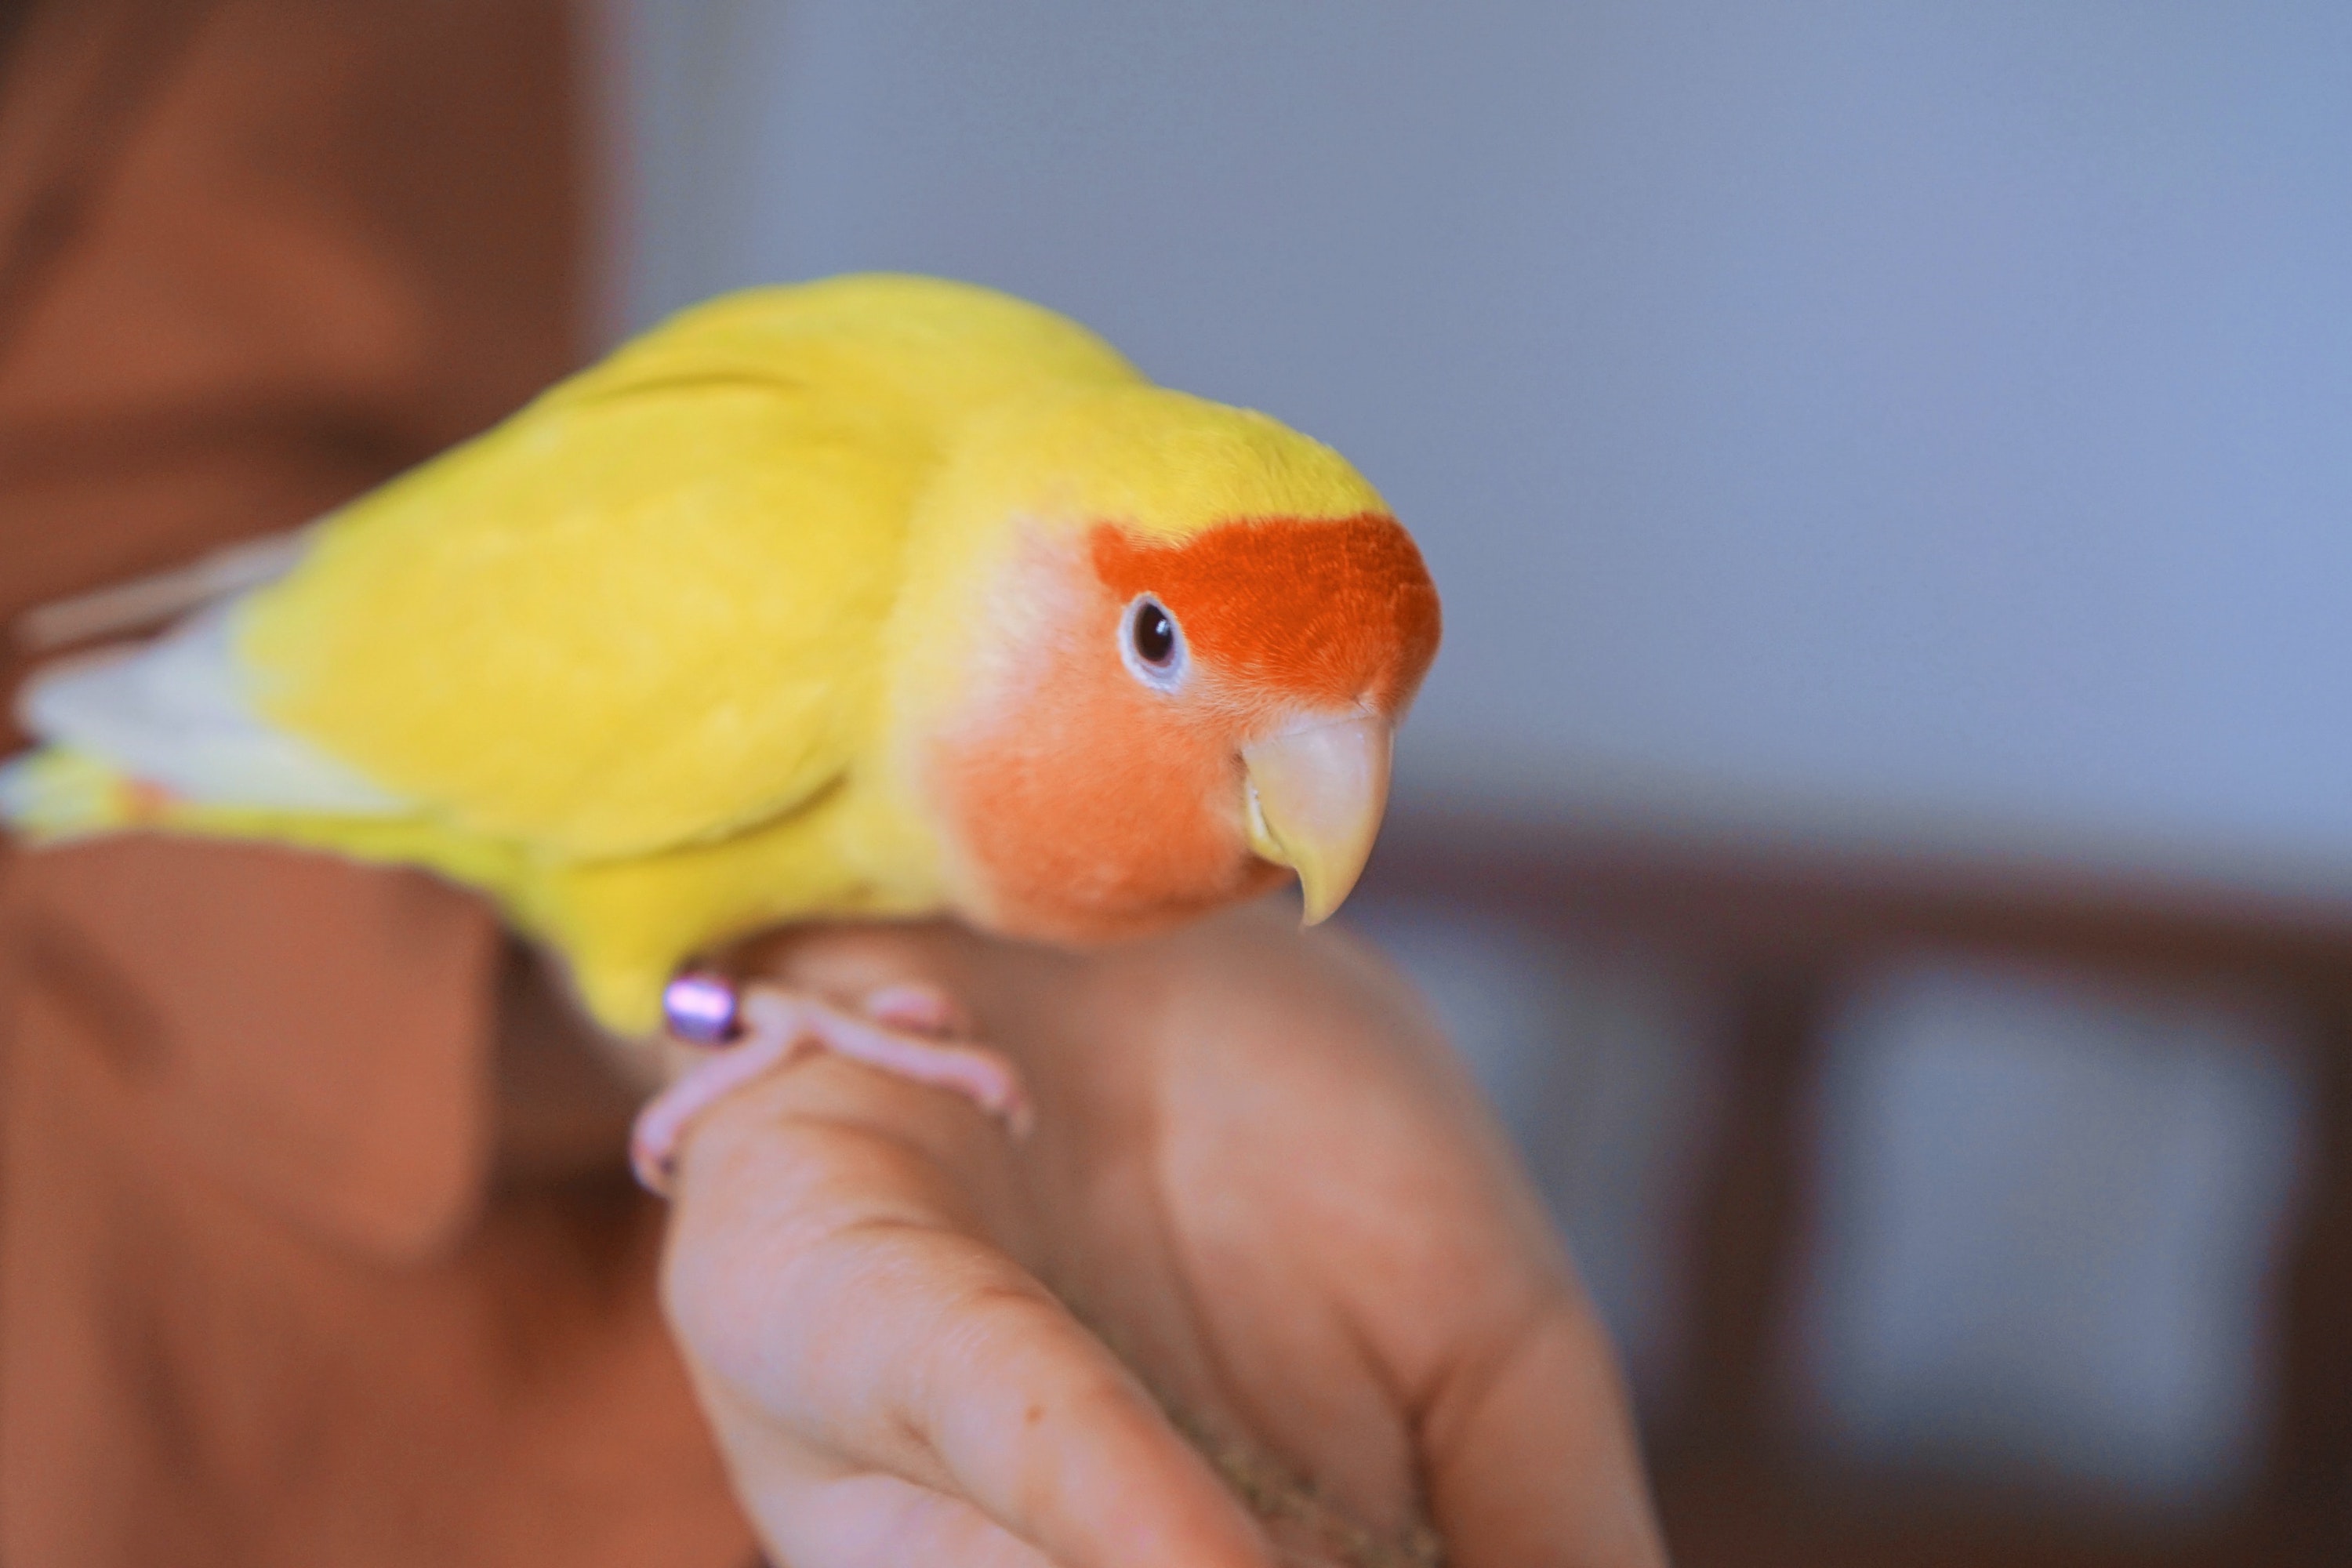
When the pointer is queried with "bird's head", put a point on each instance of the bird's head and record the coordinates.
(1193, 635)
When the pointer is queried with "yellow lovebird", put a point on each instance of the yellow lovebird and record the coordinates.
(874, 596)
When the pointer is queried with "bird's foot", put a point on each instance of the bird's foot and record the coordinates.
(913, 1031)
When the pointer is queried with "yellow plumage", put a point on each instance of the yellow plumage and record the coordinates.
(639, 656)
(646, 610)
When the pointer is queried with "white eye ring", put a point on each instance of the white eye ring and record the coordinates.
(1152, 644)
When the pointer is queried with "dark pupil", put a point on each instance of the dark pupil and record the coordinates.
(1155, 634)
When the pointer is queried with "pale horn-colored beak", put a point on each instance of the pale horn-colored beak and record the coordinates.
(1315, 796)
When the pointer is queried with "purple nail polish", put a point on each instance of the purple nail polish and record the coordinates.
(701, 1007)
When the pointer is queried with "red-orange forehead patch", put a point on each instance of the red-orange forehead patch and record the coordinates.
(1322, 610)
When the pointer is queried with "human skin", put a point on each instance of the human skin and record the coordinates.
(1257, 1172)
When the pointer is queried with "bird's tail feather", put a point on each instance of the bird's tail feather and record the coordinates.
(55, 791)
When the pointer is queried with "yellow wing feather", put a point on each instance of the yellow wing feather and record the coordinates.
(606, 630)
(643, 613)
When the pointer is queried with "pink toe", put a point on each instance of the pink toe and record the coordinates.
(983, 1077)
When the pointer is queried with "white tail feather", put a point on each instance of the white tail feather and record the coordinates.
(176, 713)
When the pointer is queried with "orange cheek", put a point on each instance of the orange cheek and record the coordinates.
(1095, 808)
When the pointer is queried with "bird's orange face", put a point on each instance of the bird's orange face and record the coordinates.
(1185, 719)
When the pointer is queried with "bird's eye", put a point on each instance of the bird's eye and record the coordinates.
(1153, 643)
(1154, 635)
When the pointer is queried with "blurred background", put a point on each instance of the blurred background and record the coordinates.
(1881, 824)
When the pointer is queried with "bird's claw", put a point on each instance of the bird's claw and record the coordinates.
(912, 1031)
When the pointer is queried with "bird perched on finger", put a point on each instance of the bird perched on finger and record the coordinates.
(874, 596)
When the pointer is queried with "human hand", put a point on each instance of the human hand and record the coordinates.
(1257, 1173)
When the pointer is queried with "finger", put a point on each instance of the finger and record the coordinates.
(816, 1517)
(1096, 1474)
(1529, 1455)
(818, 1270)
(971, 1379)
(1408, 1211)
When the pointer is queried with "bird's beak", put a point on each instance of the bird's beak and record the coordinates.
(1315, 795)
